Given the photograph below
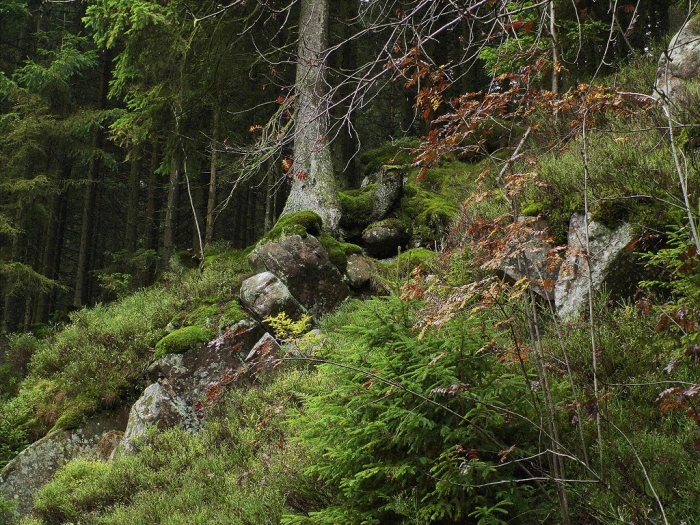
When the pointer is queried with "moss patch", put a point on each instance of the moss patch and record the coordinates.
(397, 153)
(356, 206)
(202, 316)
(398, 270)
(234, 260)
(182, 340)
(301, 223)
(338, 251)
(232, 314)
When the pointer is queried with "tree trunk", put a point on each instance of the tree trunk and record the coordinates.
(211, 201)
(314, 187)
(132, 213)
(51, 261)
(149, 242)
(171, 212)
(86, 233)
(555, 55)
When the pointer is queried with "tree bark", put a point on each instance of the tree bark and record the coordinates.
(132, 213)
(149, 242)
(211, 201)
(86, 235)
(314, 187)
(171, 212)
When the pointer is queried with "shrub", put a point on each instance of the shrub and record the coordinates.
(411, 423)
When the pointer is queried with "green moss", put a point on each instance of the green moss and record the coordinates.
(356, 205)
(427, 212)
(300, 223)
(232, 314)
(202, 316)
(235, 260)
(393, 274)
(338, 251)
(531, 209)
(351, 248)
(396, 154)
(74, 417)
(182, 340)
(392, 222)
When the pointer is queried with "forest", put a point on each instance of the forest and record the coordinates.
(437, 157)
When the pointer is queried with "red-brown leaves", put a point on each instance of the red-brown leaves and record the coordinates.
(681, 398)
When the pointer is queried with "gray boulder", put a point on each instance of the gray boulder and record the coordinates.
(681, 63)
(186, 385)
(26, 474)
(191, 375)
(266, 295)
(389, 181)
(160, 407)
(382, 239)
(358, 271)
(609, 264)
(530, 258)
(302, 264)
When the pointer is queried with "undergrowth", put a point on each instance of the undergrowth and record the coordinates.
(96, 361)
(241, 469)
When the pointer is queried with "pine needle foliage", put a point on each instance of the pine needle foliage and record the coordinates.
(415, 430)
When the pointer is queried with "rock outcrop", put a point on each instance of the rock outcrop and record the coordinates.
(606, 257)
(388, 190)
(358, 271)
(22, 477)
(302, 264)
(181, 382)
(681, 63)
(160, 407)
(264, 295)
(384, 238)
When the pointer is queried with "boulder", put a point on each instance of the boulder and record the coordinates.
(186, 385)
(681, 63)
(358, 271)
(379, 194)
(387, 192)
(384, 238)
(22, 477)
(263, 357)
(192, 374)
(266, 295)
(531, 258)
(608, 258)
(302, 264)
(160, 407)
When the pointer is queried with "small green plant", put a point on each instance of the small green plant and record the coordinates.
(287, 329)
(181, 340)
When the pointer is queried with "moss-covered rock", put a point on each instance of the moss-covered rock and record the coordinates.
(338, 251)
(202, 316)
(396, 153)
(384, 238)
(395, 272)
(356, 205)
(181, 340)
(232, 314)
(301, 223)
(428, 213)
